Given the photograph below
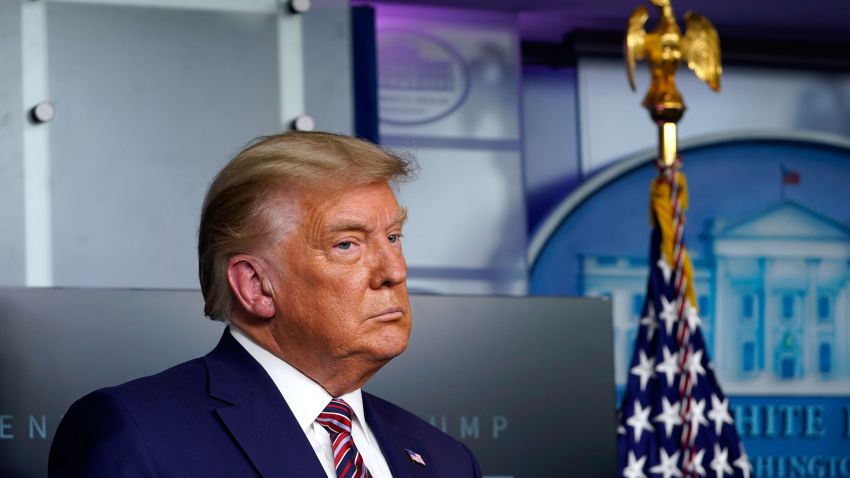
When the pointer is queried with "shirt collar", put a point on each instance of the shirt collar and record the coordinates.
(305, 397)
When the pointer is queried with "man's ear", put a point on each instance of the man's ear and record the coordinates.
(246, 275)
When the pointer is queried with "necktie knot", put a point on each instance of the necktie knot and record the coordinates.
(336, 417)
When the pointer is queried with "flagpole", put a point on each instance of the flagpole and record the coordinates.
(671, 297)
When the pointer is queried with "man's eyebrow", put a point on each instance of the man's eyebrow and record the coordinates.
(355, 225)
(348, 225)
(400, 218)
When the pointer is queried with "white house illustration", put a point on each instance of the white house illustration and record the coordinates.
(774, 295)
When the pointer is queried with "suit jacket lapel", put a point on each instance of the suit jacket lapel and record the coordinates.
(257, 415)
(395, 443)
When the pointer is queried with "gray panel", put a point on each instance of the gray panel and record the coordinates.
(328, 81)
(12, 245)
(59, 344)
(508, 361)
(150, 104)
(541, 366)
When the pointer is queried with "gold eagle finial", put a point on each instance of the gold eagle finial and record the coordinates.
(664, 48)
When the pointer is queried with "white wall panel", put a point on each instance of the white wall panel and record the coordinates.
(614, 124)
(480, 47)
(12, 237)
(150, 104)
(449, 93)
(466, 211)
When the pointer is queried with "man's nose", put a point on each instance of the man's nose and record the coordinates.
(388, 267)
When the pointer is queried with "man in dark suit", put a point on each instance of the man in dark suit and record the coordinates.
(300, 254)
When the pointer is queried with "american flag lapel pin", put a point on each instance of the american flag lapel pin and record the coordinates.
(415, 457)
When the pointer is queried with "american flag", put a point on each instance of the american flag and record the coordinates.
(790, 176)
(674, 419)
(415, 457)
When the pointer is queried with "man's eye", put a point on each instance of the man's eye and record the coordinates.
(393, 238)
(344, 245)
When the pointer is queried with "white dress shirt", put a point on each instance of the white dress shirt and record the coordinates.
(307, 399)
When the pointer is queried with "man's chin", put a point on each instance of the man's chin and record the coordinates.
(390, 346)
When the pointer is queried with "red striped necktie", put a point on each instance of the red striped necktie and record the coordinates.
(336, 418)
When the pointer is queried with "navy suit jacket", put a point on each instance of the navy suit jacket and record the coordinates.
(221, 415)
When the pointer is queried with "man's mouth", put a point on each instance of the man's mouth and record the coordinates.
(389, 314)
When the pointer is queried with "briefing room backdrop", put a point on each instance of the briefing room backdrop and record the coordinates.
(152, 97)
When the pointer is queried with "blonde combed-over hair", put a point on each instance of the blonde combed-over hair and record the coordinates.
(238, 212)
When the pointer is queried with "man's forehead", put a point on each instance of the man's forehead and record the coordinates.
(372, 205)
(388, 217)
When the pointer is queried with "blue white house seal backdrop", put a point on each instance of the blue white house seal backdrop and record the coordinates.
(769, 233)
